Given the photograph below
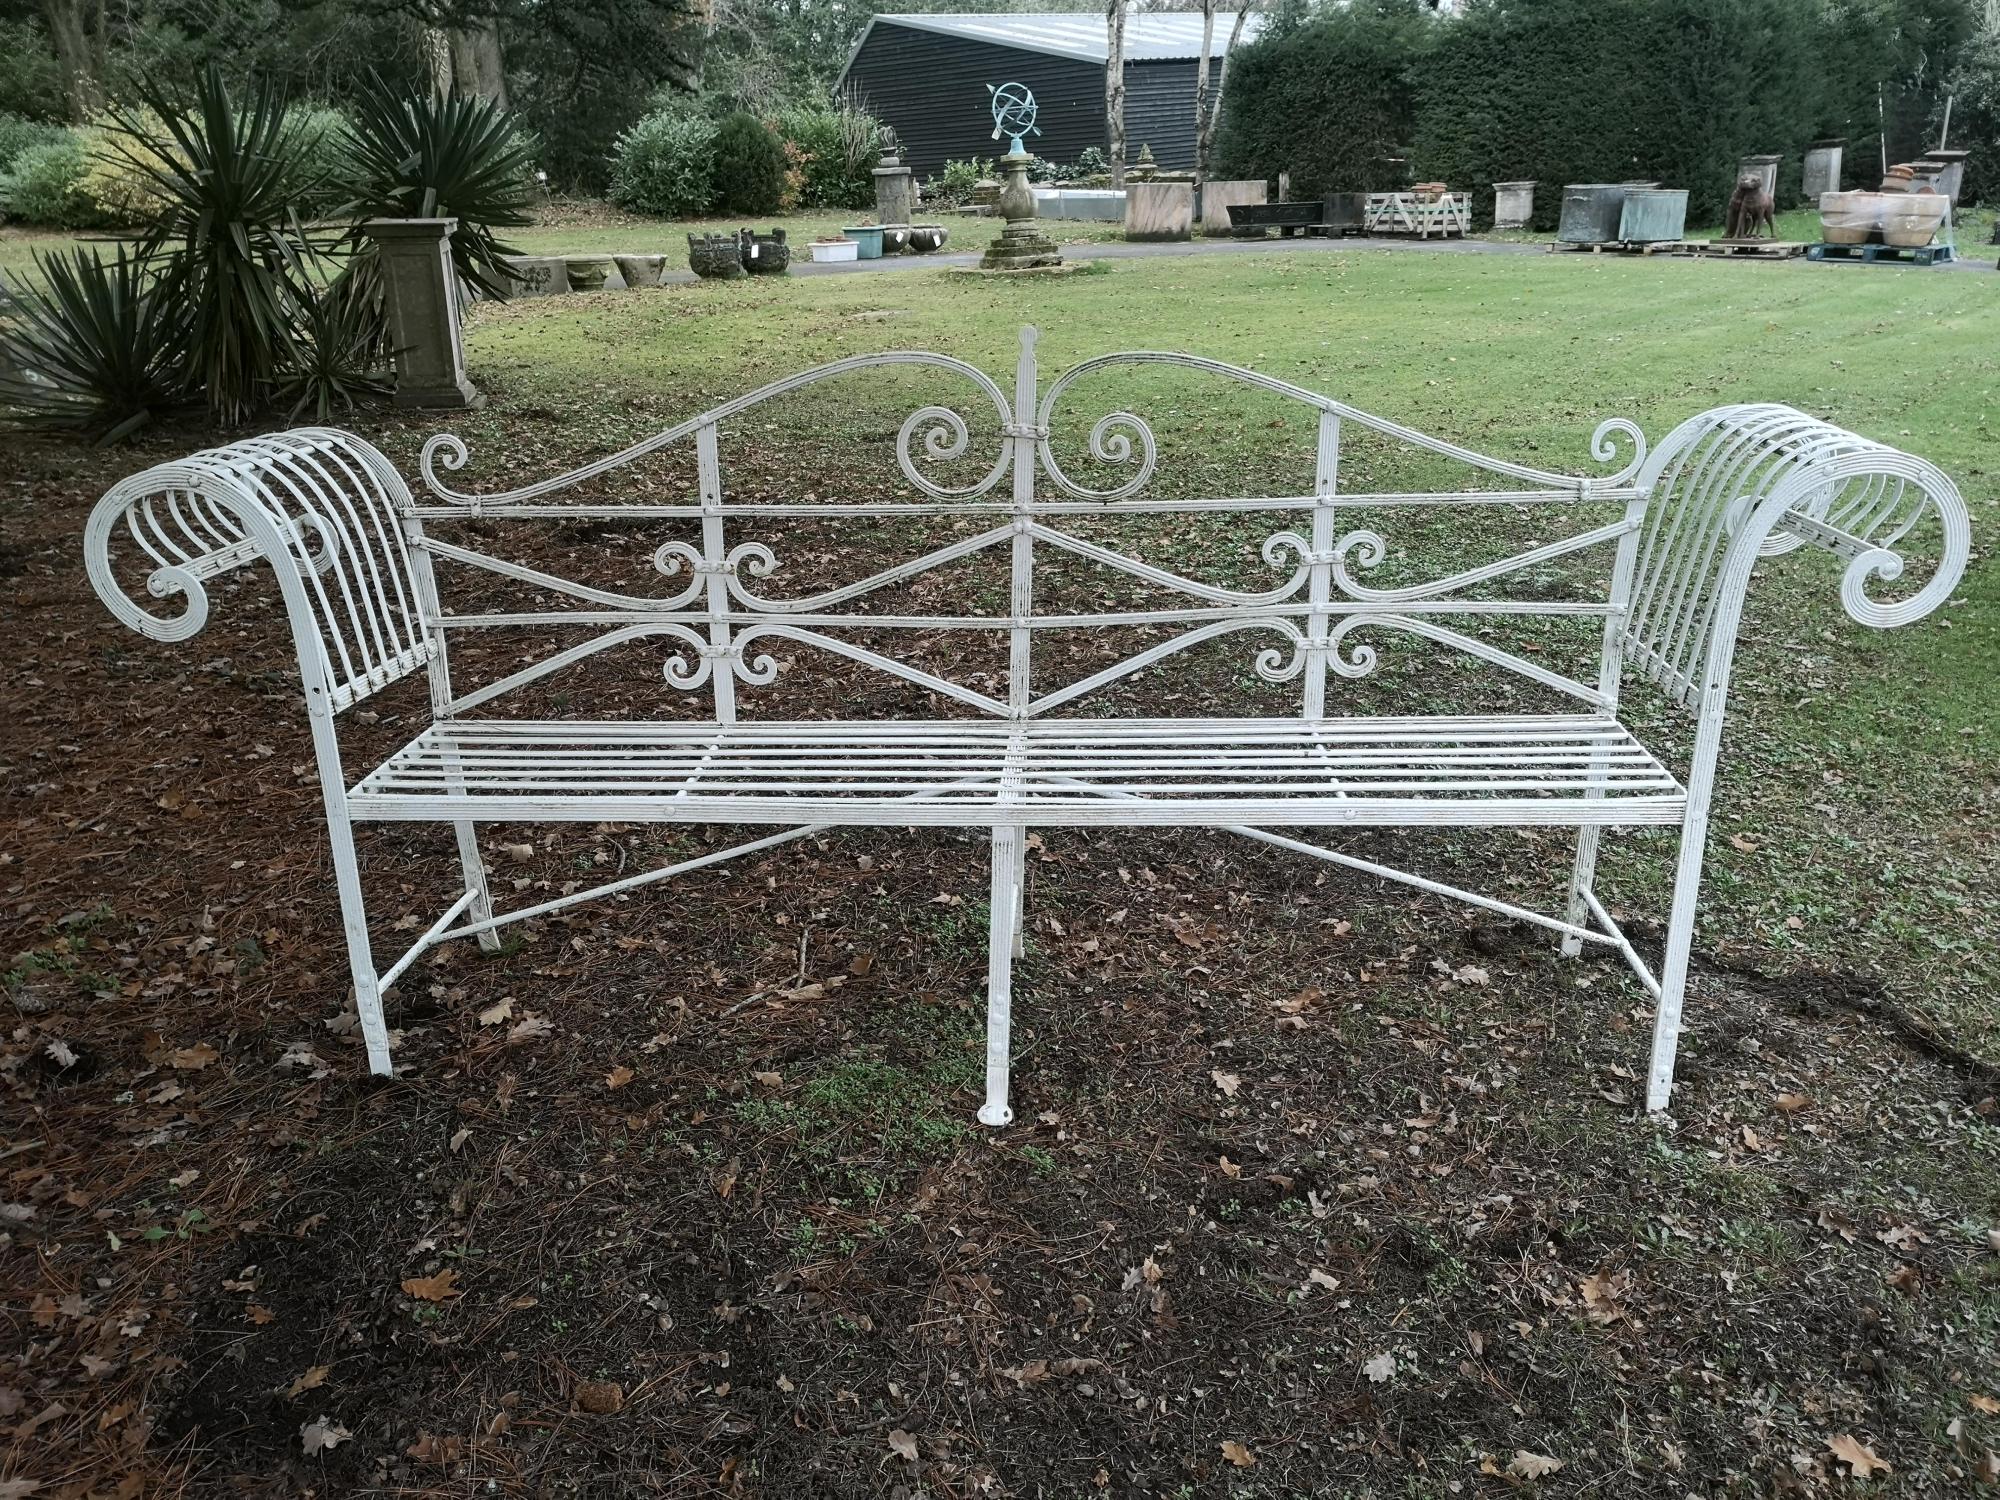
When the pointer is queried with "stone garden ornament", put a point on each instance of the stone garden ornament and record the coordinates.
(1021, 245)
(382, 583)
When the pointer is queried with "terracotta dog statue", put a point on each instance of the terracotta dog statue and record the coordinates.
(1750, 209)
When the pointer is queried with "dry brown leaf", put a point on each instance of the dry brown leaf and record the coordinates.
(1985, 1403)
(1526, 1465)
(769, 1080)
(1791, 1104)
(1229, 1083)
(321, 1434)
(458, 1139)
(618, 1077)
(725, 1180)
(312, 1380)
(436, 1288)
(1857, 1455)
(192, 1059)
(903, 1445)
(1237, 1454)
(498, 1011)
(260, 1315)
(1743, 844)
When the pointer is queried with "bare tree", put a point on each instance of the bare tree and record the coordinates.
(1114, 88)
(1207, 106)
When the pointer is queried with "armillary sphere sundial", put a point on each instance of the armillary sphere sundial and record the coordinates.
(1013, 114)
(1021, 245)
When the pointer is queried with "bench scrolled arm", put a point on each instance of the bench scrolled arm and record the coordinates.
(193, 523)
(1744, 483)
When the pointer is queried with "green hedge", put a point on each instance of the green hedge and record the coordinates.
(1326, 101)
(1567, 91)
(665, 165)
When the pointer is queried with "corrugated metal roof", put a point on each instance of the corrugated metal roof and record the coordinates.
(1149, 37)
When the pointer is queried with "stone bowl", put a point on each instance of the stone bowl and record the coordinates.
(716, 257)
(1849, 218)
(588, 273)
(925, 238)
(641, 270)
(895, 238)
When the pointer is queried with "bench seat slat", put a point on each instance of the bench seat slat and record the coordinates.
(1558, 769)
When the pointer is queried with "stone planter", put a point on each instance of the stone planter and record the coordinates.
(1513, 204)
(1913, 219)
(867, 236)
(641, 270)
(1849, 218)
(926, 238)
(1159, 210)
(588, 273)
(766, 254)
(828, 251)
(1216, 198)
(716, 257)
(538, 275)
(895, 238)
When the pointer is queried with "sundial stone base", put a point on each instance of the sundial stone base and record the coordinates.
(1021, 246)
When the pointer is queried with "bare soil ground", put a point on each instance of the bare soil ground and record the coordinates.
(1319, 1187)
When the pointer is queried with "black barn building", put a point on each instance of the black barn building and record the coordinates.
(927, 76)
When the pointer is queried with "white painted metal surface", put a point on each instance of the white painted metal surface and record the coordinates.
(357, 559)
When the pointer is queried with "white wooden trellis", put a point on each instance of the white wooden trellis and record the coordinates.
(355, 556)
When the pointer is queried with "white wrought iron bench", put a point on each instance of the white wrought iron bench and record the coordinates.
(357, 557)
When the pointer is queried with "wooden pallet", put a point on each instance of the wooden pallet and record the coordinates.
(1631, 247)
(1895, 255)
(1757, 249)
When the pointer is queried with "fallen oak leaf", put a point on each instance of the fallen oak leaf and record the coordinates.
(618, 1077)
(321, 1434)
(498, 1011)
(312, 1380)
(1237, 1454)
(1860, 1459)
(192, 1059)
(1229, 1083)
(903, 1445)
(436, 1288)
(1526, 1465)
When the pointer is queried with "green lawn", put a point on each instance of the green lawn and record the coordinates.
(1521, 357)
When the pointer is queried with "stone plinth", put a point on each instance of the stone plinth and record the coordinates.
(1021, 246)
(1216, 198)
(1513, 205)
(1951, 171)
(421, 292)
(1159, 210)
(1822, 169)
(895, 196)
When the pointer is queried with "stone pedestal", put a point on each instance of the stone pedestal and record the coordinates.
(1159, 210)
(1951, 171)
(895, 195)
(538, 275)
(421, 292)
(1217, 196)
(1021, 246)
(1822, 169)
(1513, 205)
(1766, 168)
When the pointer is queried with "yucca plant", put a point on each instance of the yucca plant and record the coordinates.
(226, 239)
(423, 157)
(342, 353)
(95, 348)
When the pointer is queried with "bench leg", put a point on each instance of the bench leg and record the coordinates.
(1582, 873)
(1000, 973)
(1674, 965)
(360, 952)
(474, 869)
